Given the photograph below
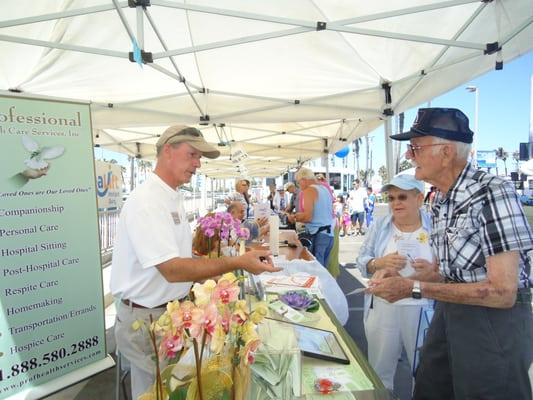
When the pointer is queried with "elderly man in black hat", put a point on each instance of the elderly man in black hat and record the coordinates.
(479, 344)
(152, 256)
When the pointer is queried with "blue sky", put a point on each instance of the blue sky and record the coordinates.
(504, 109)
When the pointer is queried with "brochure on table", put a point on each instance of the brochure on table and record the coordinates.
(52, 331)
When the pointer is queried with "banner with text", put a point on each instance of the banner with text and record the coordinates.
(108, 185)
(52, 320)
(486, 158)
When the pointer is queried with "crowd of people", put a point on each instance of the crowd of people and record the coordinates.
(459, 251)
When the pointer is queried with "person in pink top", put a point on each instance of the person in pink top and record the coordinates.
(322, 180)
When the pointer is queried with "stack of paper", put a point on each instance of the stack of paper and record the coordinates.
(283, 283)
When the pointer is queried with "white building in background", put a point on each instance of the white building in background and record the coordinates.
(344, 170)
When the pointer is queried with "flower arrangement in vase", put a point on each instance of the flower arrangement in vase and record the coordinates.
(217, 234)
(207, 342)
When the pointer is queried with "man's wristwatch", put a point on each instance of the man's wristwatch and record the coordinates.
(373, 264)
(416, 293)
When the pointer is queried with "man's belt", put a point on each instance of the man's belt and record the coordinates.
(524, 296)
(135, 305)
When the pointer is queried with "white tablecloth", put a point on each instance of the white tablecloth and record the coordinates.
(329, 287)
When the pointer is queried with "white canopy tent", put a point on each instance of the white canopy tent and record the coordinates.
(286, 80)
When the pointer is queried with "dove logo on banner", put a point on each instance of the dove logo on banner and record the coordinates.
(108, 185)
(38, 154)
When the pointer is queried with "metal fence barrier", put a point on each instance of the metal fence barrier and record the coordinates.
(107, 223)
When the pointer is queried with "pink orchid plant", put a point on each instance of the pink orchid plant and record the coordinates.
(215, 325)
(225, 225)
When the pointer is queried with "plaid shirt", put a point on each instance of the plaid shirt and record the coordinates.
(479, 217)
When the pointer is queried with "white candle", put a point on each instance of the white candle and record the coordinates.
(273, 222)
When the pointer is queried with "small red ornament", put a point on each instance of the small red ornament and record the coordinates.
(326, 386)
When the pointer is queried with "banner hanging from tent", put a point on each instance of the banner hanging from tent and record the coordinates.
(109, 185)
(52, 331)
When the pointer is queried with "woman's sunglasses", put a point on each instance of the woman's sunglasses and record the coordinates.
(400, 197)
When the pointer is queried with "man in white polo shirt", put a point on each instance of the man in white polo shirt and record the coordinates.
(152, 262)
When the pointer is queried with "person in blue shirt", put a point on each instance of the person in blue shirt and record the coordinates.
(400, 241)
(317, 214)
(370, 202)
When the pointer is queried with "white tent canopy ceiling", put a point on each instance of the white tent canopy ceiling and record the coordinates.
(284, 81)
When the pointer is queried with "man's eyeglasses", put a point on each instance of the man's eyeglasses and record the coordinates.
(186, 132)
(400, 197)
(415, 149)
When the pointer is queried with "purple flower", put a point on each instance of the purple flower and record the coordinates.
(209, 232)
(296, 299)
(224, 224)
(243, 233)
(224, 233)
(227, 217)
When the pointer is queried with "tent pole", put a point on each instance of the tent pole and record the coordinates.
(231, 42)
(432, 64)
(124, 20)
(140, 27)
(58, 15)
(181, 78)
(238, 14)
(404, 11)
(388, 148)
(407, 37)
(64, 46)
(132, 173)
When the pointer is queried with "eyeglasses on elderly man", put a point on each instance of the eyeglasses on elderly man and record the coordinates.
(413, 150)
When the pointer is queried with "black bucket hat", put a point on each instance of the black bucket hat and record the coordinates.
(446, 123)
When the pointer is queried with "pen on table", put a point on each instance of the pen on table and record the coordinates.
(356, 291)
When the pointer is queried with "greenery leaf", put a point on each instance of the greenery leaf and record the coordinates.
(313, 307)
(179, 394)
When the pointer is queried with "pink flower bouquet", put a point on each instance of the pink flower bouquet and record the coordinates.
(217, 232)
(206, 343)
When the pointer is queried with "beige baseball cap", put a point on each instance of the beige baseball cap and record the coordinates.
(190, 135)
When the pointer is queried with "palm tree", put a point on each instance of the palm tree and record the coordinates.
(131, 159)
(382, 172)
(356, 149)
(405, 164)
(367, 148)
(501, 154)
(144, 167)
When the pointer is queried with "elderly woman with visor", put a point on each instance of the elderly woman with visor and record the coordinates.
(398, 241)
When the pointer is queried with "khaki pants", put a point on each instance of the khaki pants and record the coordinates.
(136, 346)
